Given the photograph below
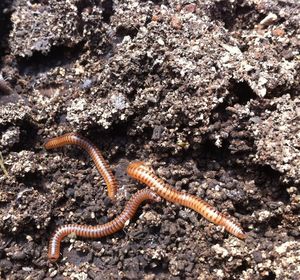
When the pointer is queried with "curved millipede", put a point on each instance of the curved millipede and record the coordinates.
(144, 174)
(100, 230)
(95, 154)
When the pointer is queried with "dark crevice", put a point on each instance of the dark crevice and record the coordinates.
(40, 63)
(107, 139)
(236, 140)
(44, 2)
(28, 136)
(5, 23)
(274, 222)
(260, 106)
(267, 173)
(159, 2)
(239, 16)
(123, 31)
(240, 93)
(148, 132)
(271, 276)
(242, 207)
(154, 229)
(284, 89)
(33, 180)
(243, 92)
(157, 267)
(219, 113)
(108, 10)
(243, 267)
(252, 205)
(222, 11)
(210, 151)
(269, 181)
(281, 194)
(85, 4)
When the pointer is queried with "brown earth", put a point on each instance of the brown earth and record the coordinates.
(206, 91)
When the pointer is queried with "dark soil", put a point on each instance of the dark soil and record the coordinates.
(206, 91)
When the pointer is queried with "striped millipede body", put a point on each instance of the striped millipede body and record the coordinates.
(100, 230)
(95, 154)
(144, 174)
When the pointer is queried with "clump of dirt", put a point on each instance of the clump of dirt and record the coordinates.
(206, 91)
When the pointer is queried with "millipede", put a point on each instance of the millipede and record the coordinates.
(99, 231)
(144, 174)
(95, 154)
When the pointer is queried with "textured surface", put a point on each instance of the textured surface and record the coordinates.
(206, 91)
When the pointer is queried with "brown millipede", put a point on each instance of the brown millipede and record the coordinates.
(95, 154)
(100, 230)
(144, 174)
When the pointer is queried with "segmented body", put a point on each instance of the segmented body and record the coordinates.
(95, 154)
(141, 172)
(100, 230)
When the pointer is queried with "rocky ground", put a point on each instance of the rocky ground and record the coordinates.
(206, 91)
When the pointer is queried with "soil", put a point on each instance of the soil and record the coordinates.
(205, 91)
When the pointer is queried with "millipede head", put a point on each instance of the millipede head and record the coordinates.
(53, 253)
(241, 235)
(135, 165)
(140, 165)
(53, 258)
